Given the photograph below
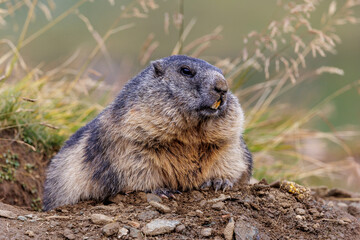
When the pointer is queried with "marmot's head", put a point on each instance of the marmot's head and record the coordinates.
(177, 94)
(196, 86)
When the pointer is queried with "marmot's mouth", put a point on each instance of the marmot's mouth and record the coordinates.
(216, 104)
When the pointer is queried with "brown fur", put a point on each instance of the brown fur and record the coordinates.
(159, 133)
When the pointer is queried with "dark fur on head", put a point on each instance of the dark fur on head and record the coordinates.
(175, 125)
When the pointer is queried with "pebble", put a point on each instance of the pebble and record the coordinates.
(222, 197)
(110, 229)
(299, 217)
(135, 233)
(30, 233)
(342, 205)
(68, 234)
(21, 218)
(30, 216)
(244, 230)
(316, 225)
(354, 209)
(218, 206)
(229, 230)
(100, 219)
(314, 212)
(199, 212)
(134, 224)
(147, 215)
(150, 197)
(160, 207)
(197, 195)
(180, 228)
(160, 226)
(7, 214)
(300, 211)
(119, 198)
(122, 232)
(206, 232)
(202, 203)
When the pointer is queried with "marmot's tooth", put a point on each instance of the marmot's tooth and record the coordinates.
(216, 104)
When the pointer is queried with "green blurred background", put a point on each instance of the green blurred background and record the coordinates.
(237, 18)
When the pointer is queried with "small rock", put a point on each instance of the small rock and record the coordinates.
(160, 207)
(202, 203)
(119, 198)
(272, 197)
(135, 233)
(110, 229)
(222, 197)
(30, 216)
(206, 232)
(160, 226)
(285, 204)
(229, 230)
(244, 230)
(300, 211)
(342, 205)
(122, 232)
(30, 233)
(299, 217)
(218, 238)
(197, 195)
(218, 206)
(100, 219)
(342, 222)
(354, 209)
(199, 212)
(147, 215)
(7, 214)
(153, 198)
(180, 228)
(134, 224)
(111, 207)
(68, 234)
(314, 212)
(21, 218)
(316, 225)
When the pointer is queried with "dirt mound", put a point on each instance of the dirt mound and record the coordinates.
(259, 211)
(282, 210)
(22, 172)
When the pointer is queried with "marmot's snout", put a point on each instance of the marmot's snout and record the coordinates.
(220, 89)
(215, 98)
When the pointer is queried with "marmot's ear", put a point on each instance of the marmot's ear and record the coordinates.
(158, 68)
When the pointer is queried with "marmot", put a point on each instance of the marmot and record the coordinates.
(175, 126)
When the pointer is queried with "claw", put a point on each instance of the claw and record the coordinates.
(166, 193)
(227, 184)
(206, 185)
(217, 184)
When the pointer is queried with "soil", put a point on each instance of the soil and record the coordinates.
(22, 172)
(281, 210)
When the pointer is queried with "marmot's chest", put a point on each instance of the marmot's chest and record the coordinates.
(186, 166)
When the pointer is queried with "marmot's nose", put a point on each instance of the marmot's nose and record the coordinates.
(221, 85)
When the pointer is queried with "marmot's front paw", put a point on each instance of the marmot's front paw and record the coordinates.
(166, 193)
(218, 184)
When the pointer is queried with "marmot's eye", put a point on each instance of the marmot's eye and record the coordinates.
(185, 71)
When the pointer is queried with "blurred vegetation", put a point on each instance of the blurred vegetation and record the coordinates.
(61, 62)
